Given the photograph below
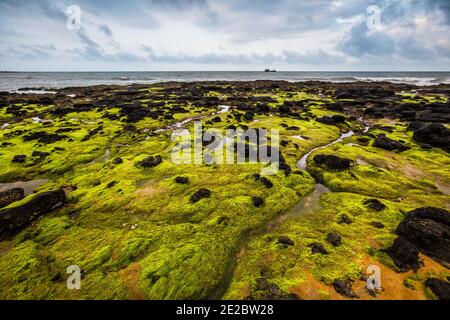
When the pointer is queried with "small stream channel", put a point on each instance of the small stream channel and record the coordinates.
(309, 203)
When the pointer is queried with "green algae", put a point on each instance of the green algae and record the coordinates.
(184, 250)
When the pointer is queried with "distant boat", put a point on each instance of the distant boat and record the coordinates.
(268, 70)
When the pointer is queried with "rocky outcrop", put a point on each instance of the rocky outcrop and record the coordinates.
(14, 219)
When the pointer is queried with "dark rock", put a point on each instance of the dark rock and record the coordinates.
(317, 248)
(404, 254)
(262, 284)
(40, 154)
(374, 204)
(383, 128)
(415, 125)
(439, 287)
(44, 137)
(16, 218)
(111, 184)
(249, 116)
(257, 201)
(345, 219)
(385, 143)
(377, 225)
(284, 143)
(266, 182)
(344, 288)
(334, 239)
(117, 160)
(433, 134)
(363, 140)
(19, 158)
(151, 162)
(6, 144)
(333, 120)
(284, 109)
(333, 162)
(182, 180)
(428, 229)
(283, 166)
(285, 241)
(200, 194)
(9, 196)
(270, 291)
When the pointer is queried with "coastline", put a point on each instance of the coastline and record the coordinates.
(140, 220)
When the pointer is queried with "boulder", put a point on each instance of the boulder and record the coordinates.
(332, 120)
(334, 239)
(117, 160)
(374, 204)
(270, 291)
(44, 137)
(317, 248)
(257, 202)
(333, 162)
(344, 288)
(433, 134)
(439, 287)
(9, 196)
(14, 219)
(200, 194)
(285, 241)
(415, 125)
(151, 162)
(266, 182)
(404, 254)
(377, 224)
(428, 229)
(182, 180)
(19, 158)
(385, 143)
(344, 219)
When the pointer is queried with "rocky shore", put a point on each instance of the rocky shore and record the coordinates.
(142, 227)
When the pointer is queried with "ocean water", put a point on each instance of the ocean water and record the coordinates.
(15, 80)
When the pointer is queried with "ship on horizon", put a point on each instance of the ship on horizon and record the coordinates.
(268, 70)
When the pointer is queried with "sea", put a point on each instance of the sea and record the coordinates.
(12, 81)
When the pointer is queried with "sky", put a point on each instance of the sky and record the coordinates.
(177, 35)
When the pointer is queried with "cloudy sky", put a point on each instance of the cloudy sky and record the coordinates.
(147, 35)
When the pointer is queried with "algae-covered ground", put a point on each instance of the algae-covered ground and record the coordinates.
(135, 231)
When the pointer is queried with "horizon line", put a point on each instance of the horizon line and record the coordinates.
(261, 71)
